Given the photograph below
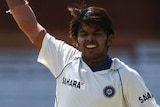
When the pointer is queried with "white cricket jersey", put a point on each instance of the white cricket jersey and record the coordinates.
(78, 86)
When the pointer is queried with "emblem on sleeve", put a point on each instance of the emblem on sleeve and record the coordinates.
(145, 97)
(109, 91)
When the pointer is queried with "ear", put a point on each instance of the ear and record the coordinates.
(109, 39)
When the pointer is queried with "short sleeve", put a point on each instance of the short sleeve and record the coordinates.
(55, 54)
(135, 91)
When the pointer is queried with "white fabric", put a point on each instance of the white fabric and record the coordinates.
(78, 86)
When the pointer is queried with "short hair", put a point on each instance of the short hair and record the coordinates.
(92, 16)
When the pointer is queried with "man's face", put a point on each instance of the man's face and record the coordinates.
(92, 42)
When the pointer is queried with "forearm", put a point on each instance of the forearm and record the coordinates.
(26, 20)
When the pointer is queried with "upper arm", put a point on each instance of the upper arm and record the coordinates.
(27, 22)
(136, 92)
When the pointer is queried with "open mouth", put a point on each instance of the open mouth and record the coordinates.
(91, 46)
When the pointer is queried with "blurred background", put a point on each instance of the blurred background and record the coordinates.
(26, 83)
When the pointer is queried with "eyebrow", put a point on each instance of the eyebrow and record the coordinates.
(95, 30)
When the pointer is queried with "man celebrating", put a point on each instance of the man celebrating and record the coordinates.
(85, 74)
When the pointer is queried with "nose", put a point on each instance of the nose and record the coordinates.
(90, 37)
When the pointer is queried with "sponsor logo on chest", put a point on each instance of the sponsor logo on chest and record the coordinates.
(72, 83)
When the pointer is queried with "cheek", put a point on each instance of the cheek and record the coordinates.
(103, 45)
(103, 42)
(80, 41)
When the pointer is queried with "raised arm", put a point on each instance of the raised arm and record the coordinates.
(26, 20)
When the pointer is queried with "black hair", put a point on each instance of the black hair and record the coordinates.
(95, 17)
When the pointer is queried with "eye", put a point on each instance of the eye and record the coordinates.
(99, 33)
(83, 34)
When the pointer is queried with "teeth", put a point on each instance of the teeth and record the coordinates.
(91, 46)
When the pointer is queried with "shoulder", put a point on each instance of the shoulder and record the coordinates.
(58, 48)
(52, 42)
(131, 79)
(126, 71)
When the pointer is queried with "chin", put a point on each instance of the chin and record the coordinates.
(90, 56)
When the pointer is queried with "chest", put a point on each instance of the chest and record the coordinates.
(79, 82)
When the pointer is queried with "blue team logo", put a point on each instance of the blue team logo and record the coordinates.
(109, 91)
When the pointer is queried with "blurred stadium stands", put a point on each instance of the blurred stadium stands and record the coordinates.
(24, 82)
